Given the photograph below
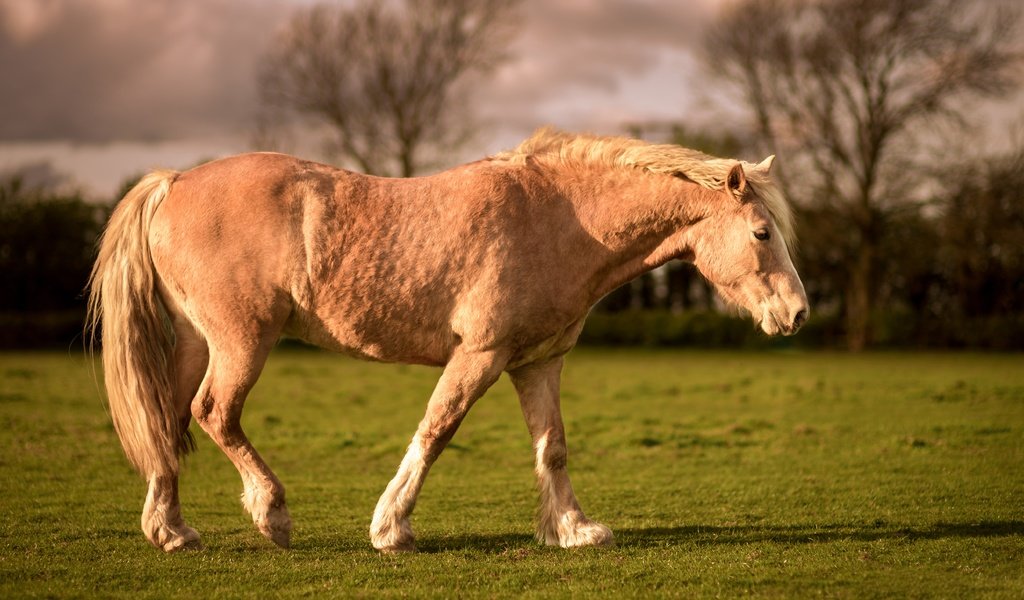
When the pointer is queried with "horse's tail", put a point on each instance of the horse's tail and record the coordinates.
(138, 344)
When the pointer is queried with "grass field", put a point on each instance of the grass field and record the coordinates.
(721, 474)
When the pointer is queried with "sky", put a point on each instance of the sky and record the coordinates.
(102, 90)
(105, 89)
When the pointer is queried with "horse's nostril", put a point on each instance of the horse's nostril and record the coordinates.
(799, 319)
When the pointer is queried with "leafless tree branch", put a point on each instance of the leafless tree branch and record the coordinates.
(839, 85)
(389, 79)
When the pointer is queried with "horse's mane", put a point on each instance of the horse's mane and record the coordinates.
(552, 145)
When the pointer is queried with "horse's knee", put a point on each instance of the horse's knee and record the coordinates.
(551, 451)
(430, 441)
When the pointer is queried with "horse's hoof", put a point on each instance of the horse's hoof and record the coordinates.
(282, 538)
(587, 533)
(186, 544)
(177, 539)
(276, 526)
(395, 539)
(398, 549)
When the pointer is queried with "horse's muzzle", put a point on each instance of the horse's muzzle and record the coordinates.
(797, 321)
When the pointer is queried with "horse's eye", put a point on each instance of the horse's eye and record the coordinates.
(762, 234)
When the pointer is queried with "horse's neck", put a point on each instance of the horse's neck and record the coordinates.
(640, 218)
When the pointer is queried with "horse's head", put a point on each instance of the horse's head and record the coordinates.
(743, 249)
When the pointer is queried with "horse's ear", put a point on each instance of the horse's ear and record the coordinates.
(736, 181)
(765, 166)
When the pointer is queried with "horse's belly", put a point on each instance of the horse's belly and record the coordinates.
(386, 340)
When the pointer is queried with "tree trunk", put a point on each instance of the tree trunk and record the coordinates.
(860, 298)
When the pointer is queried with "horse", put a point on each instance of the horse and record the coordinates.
(488, 267)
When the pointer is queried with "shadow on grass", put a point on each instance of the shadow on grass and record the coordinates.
(490, 543)
(653, 537)
(806, 534)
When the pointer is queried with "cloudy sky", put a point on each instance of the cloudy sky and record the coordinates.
(104, 89)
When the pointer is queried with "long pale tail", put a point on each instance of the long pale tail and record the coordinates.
(138, 344)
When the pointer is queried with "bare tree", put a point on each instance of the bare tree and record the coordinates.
(982, 231)
(847, 89)
(389, 79)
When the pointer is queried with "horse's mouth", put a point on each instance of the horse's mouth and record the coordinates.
(770, 325)
(761, 312)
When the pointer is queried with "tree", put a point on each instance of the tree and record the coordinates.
(981, 254)
(390, 80)
(846, 90)
(46, 251)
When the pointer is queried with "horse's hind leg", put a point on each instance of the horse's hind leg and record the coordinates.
(217, 408)
(561, 520)
(161, 516)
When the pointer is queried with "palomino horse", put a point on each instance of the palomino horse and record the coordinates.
(488, 267)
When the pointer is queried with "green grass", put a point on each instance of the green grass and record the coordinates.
(721, 474)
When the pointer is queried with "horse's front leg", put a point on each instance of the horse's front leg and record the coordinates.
(466, 377)
(561, 520)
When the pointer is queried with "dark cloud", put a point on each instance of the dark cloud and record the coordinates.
(107, 88)
(37, 175)
(100, 70)
(103, 70)
(591, 48)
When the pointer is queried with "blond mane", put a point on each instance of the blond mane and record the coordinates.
(554, 146)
